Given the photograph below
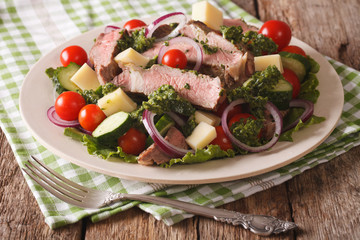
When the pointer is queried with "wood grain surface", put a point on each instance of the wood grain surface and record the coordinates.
(324, 201)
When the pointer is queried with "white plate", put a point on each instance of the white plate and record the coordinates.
(36, 97)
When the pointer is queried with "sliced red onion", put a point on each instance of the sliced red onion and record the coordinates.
(165, 146)
(278, 127)
(178, 120)
(110, 28)
(55, 119)
(308, 111)
(90, 64)
(175, 17)
(83, 130)
(182, 40)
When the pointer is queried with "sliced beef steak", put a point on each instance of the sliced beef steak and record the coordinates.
(201, 90)
(102, 56)
(155, 154)
(240, 22)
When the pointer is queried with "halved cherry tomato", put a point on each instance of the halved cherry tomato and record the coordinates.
(132, 142)
(134, 23)
(221, 139)
(174, 58)
(74, 54)
(240, 117)
(278, 31)
(291, 77)
(237, 109)
(294, 49)
(90, 116)
(68, 105)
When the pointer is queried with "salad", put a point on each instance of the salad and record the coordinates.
(182, 91)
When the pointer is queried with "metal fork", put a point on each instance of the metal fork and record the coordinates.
(83, 197)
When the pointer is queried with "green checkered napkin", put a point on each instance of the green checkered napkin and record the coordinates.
(29, 29)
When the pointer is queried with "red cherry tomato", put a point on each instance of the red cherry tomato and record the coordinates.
(291, 77)
(74, 54)
(174, 58)
(240, 116)
(237, 109)
(294, 49)
(134, 23)
(278, 31)
(90, 116)
(132, 142)
(221, 139)
(68, 105)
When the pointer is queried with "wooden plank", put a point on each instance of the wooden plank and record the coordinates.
(20, 216)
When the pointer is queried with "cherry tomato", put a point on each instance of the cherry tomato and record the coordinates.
(68, 105)
(74, 54)
(174, 58)
(291, 77)
(240, 116)
(294, 49)
(278, 31)
(221, 139)
(132, 142)
(90, 116)
(237, 109)
(134, 23)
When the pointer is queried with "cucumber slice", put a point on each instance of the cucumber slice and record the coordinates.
(113, 127)
(64, 75)
(162, 125)
(281, 95)
(299, 64)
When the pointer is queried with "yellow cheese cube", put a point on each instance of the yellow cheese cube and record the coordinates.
(85, 78)
(116, 101)
(202, 135)
(201, 116)
(262, 62)
(131, 56)
(208, 14)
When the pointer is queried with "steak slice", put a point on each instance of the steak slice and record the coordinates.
(233, 65)
(201, 90)
(155, 154)
(102, 55)
(239, 22)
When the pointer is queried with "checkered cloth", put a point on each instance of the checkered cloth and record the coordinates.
(30, 29)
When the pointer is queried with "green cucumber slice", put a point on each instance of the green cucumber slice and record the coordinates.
(281, 95)
(113, 127)
(64, 75)
(299, 64)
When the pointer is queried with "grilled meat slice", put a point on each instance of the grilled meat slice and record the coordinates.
(201, 90)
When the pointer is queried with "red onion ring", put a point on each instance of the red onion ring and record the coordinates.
(179, 121)
(110, 28)
(308, 111)
(165, 146)
(278, 127)
(186, 40)
(55, 119)
(178, 17)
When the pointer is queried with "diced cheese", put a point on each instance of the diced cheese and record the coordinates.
(262, 62)
(202, 135)
(208, 14)
(201, 116)
(85, 78)
(131, 56)
(116, 101)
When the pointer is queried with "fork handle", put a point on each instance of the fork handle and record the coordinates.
(259, 224)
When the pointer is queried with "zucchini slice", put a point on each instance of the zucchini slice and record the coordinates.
(113, 127)
(299, 64)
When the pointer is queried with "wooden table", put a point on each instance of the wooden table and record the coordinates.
(324, 201)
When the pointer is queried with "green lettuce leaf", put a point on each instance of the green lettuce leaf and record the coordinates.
(201, 155)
